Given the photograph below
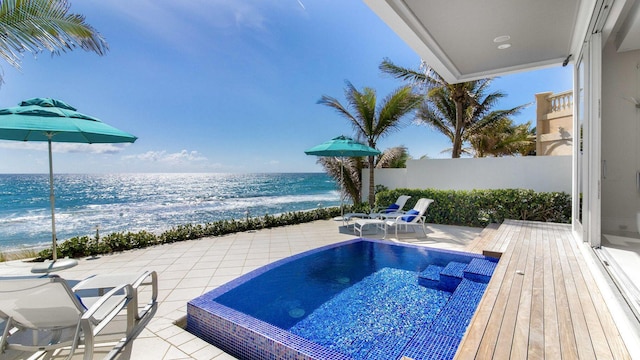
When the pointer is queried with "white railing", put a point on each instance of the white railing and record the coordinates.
(561, 101)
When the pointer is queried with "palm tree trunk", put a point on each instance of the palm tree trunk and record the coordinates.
(457, 137)
(372, 195)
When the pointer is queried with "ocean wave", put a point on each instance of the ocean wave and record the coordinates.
(131, 203)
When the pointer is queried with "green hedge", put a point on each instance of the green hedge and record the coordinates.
(481, 207)
(115, 242)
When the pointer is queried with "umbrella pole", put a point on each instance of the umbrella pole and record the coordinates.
(342, 188)
(53, 207)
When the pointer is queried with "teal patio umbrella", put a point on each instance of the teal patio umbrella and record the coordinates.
(342, 146)
(51, 120)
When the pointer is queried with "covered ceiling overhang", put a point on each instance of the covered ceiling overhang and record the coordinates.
(467, 40)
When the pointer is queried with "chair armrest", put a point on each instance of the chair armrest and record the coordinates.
(398, 219)
(101, 282)
(153, 282)
(388, 216)
(113, 309)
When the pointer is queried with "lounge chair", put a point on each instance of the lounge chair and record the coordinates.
(390, 211)
(393, 209)
(360, 225)
(45, 314)
(414, 217)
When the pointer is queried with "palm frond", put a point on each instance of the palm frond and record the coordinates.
(38, 25)
(347, 173)
(395, 157)
(395, 107)
(336, 105)
(425, 78)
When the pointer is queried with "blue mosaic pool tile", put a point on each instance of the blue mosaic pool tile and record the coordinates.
(422, 335)
(480, 270)
(454, 269)
(451, 275)
(457, 313)
(430, 277)
(387, 347)
(369, 332)
(428, 345)
(242, 336)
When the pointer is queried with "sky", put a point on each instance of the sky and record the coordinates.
(226, 86)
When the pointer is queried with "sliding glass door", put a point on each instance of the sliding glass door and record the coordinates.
(586, 162)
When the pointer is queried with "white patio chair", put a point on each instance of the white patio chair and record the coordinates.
(45, 314)
(395, 208)
(412, 218)
(390, 211)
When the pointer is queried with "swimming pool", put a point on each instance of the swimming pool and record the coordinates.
(360, 299)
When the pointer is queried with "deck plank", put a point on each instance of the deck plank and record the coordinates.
(597, 334)
(505, 344)
(615, 343)
(568, 349)
(489, 344)
(470, 348)
(552, 348)
(535, 349)
(484, 240)
(576, 312)
(523, 321)
(551, 309)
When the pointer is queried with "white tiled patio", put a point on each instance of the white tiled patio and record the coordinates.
(191, 268)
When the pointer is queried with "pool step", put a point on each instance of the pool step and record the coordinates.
(480, 270)
(448, 278)
(440, 339)
(451, 275)
(427, 345)
(430, 277)
(455, 316)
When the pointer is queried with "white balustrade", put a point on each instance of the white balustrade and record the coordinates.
(561, 101)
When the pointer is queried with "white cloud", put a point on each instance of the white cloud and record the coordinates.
(185, 155)
(178, 158)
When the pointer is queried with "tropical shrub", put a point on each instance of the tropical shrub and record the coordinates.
(481, 207)
(121, 241)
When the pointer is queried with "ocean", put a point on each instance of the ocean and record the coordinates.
(151, 202)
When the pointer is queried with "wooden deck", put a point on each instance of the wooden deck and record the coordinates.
(485, 242)
(542, 301)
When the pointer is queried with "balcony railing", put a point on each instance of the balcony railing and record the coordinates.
(561, 101)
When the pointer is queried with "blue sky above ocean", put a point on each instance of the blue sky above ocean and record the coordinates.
(225, 86)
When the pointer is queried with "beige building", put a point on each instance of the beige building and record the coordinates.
(554, 123)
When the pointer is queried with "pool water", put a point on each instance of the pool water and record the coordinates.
(360, 299)
(384, 307)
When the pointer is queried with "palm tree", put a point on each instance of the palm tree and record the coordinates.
(504, 138)
(395, 157)
(348, 171)
(352, 167)
(37, 25)
(456, 110)
(370, 120)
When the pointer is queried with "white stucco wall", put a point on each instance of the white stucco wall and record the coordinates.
(620, 139)
(539, 173)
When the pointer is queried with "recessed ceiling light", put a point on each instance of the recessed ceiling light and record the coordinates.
(502, 38)
(504, 46)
